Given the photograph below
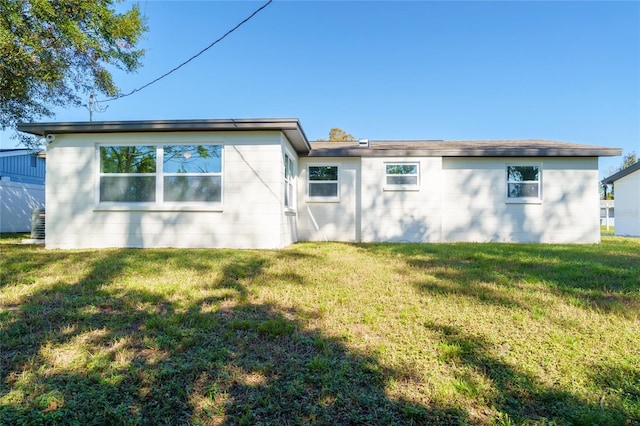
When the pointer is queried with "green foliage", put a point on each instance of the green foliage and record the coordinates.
(54, 52)
(401, 169)
(628, 160)
(606, 191)
(275, 327)
(192, 158)
(336, 134)
(522, 173)
(323, 173)
(127, 159)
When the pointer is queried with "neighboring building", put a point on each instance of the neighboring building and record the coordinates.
(607, 213)
(627, 193)
(22, 187)
(259, 183)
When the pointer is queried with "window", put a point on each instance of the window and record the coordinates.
(288, 182)
(603, 212)
(192, 173)
(127, 174)
(402, 175)
(323, 182)
(160, 174)
(523, 183)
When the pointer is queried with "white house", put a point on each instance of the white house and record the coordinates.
(22, 177)
(627, 192)
(259, 183)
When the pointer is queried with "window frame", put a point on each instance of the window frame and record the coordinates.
(603, 212)
(319, 199)
(101, 174)
(159, 176)
(523, 200)
(401, 187)
(289, 199)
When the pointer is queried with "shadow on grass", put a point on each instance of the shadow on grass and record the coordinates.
(605, 276)
(621, 382)
(521, 397)
(97, 351)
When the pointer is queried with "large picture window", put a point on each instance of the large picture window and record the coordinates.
(523, 183)
(160, 174)
(323, 182)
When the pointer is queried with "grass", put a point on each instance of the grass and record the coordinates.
(605, 231)
(322, 334)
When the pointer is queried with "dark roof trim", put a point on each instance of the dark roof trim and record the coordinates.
(293, 131)
(621, 174)
(289, 126)
(501, 148)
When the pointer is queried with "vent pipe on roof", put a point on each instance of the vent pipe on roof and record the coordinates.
(363, 143)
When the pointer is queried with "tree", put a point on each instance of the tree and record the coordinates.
(54, 52)
(628, 160)
(336, 134)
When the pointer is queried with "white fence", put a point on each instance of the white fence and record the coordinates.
(17, 200)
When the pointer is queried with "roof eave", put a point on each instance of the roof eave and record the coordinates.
(508, 152)
(289, 126)
(622, 173)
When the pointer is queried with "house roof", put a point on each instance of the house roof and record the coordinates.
(289, 126)
(621, 174)
(486, 148)
(293, 130)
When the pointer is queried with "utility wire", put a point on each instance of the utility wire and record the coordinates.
(248, 18)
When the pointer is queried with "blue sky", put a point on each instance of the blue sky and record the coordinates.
(567, 71)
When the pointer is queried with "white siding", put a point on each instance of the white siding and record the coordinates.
(475, 206)
(401, 215)
(249, 218)
(289, 217)
(457, 199)
(330, 221)
(627, 193)
(17, 200)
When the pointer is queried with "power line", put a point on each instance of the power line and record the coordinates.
(247, 19)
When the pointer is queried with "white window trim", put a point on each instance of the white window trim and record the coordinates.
(391, 187)
(523, 200)
(159, 204)
(312, 199)
(291, 207)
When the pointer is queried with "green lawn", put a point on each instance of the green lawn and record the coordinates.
(322, 333)
(604, 231)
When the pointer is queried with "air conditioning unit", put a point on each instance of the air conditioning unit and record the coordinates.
(37, 224)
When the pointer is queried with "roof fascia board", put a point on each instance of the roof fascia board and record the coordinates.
(621, 174)
(509, 152)
(289, 126)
